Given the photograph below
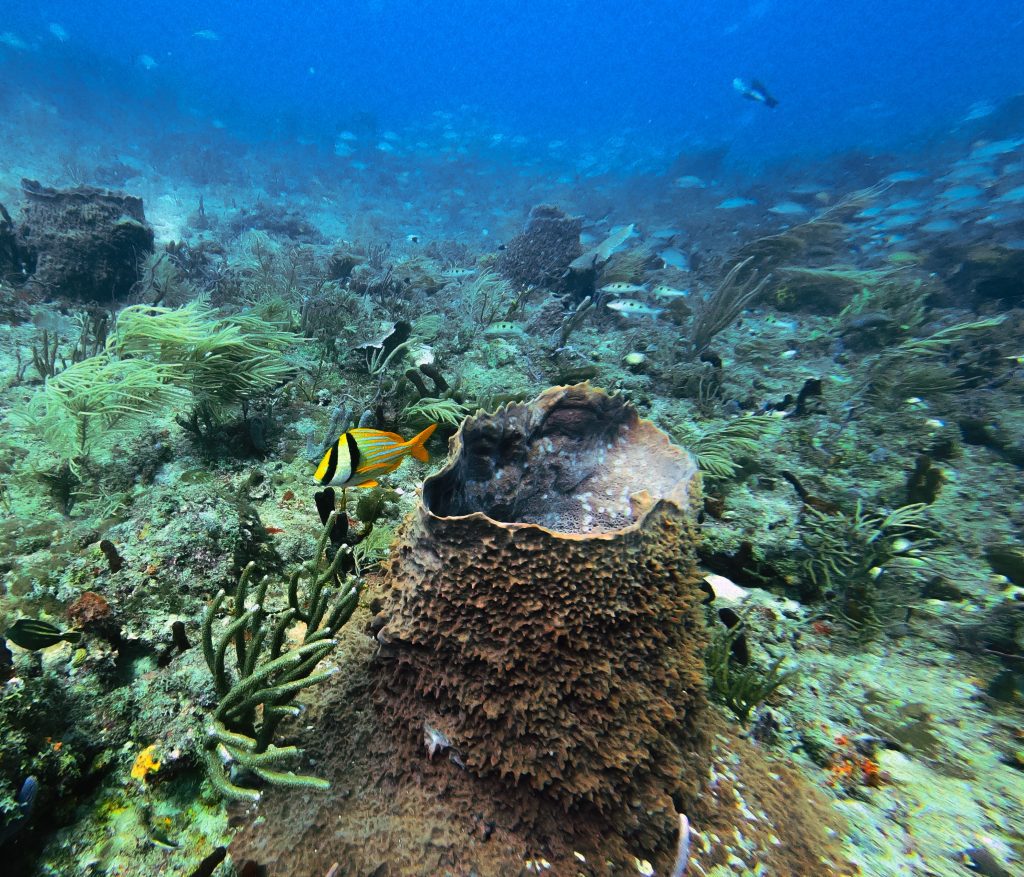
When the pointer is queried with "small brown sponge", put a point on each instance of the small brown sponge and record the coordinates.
(543, 617)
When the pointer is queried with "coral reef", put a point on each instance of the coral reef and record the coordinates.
(543, 614)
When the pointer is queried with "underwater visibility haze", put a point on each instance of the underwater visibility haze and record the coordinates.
(491, 439)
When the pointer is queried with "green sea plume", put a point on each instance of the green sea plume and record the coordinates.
(89, 403)
(741, 687)
(846, 555)
(222, 361)
(257, 678)
(719, 448)
(427, 410)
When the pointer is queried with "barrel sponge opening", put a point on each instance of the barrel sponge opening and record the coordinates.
(575, 461)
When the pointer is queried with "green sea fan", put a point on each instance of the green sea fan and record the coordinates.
(719, 448)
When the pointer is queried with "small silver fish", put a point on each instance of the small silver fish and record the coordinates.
(940, 226)
(688, 182)
(735, 203)
(1014, 196)
(664, 291)
(904, 177)
(630, 307)
(210, 35)
(623, 288)
(788, 208)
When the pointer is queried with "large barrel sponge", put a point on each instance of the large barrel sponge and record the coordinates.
(543, 614)
(84, 243)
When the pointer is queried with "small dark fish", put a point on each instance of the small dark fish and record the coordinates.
(740, 650)
(755, 91)
(33, 634)
(25, 799)
(981, 861)
(210, 863)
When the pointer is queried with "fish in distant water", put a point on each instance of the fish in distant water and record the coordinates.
(755, 91)
(788, 208)
(735, 203)
(58, 32)
(33, 634)
(904, 177)
(675, 258)
(688, 182)
(210, 35)
(629, 307)
(361, 456)
(147, 62)
(458, 273)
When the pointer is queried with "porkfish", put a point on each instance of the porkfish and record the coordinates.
(360, 456)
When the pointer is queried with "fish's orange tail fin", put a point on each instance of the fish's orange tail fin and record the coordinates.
(416, 444)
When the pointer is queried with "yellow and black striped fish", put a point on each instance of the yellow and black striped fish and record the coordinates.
(360, 456)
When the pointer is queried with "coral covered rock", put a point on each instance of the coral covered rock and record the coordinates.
(540, 256)
(84, 242)
(543, 622)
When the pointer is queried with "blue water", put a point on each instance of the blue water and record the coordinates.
(593, 75)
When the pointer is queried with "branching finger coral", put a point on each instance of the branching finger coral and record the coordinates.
(257, 694)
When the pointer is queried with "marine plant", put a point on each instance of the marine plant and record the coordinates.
(222, 361)
(428, 410)
(900, 300)
(91, 402)
(487, 299)
(720, 447)
(257, 694)
(741, 687)
(846, 554)
(916, 367)
(741, 285)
